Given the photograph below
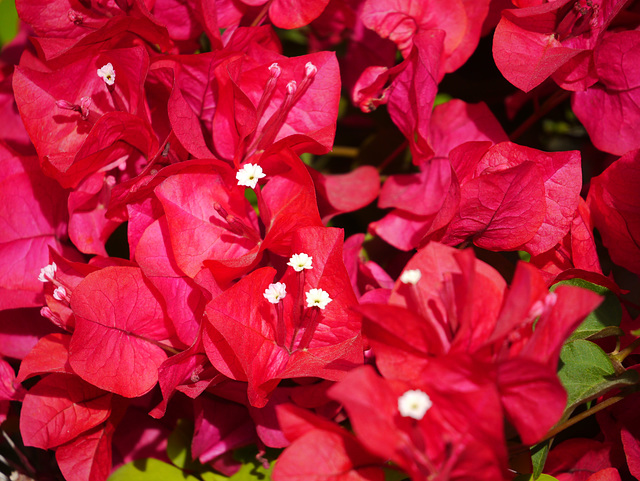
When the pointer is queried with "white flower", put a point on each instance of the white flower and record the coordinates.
(300, 261)
(318, 298)
(414, 404)
(107, 74)
(411, 276)
(59, 293)
(48, 272)
(275, 292)
(249, 175)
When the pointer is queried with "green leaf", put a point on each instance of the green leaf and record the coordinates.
(210, 476)
(602, 322)
(394, 475)
(150, 470)
(529, 477)
(539, 454)
(441, 98)
(251, 469)
(179, 447)
(586, 372)
(8, 21)
(524, 256)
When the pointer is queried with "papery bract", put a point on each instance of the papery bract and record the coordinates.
(59, 408)
(420, 447)
(614, 203)
(413, 91)
(402, 21)
(241, 332)
(32, 218)
(94, 118)
(609, 109)
(118, 316)
(336, 453)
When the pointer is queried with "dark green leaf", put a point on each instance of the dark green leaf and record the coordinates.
(8, 21)
(587, 372)
(602, 322)
(539, 454)
(179, 447)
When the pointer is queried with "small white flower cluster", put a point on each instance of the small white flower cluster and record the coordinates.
(275, 292)
(301, 261)
(47, 273)
(414, 404)
(107, 73)
(278, 291)
(318, 298)
(249, 175)
(411, 276)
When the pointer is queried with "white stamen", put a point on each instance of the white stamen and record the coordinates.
(310, 70)
(300, 261)
(107, 73)
(411, 276)
(60, 293)
(291, 87)
(249, 175)
(542, 306)
(318, 298)
(275, 70)
(275, 292)
(48, 272)
(414, 404)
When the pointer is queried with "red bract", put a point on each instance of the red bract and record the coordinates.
(32, 218)
(576, 251)
(255, 101)
(456, 122)
(118, 318)
(615, 206)
(460, 435)
(210, 223)
(459, 307)
(417, 215)
(184, 299)
(412, 93)
(498, 188)
(578, 459)
(292, 13)
(88, 457)
(402, 21)
(220, 426)
(534, 42)
(90, 115)
(609, 109)
(59, 408)
(321, 450)
(242, 337)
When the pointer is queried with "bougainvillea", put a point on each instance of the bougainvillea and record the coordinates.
(324, 240)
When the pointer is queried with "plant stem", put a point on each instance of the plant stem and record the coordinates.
(393, 155)
(555, 99)
(620, 356)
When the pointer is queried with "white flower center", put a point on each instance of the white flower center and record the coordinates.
(59, 293)
(411, 276)
(318, 298)
(275, 292)
(414, 404)
(300, 261)
(107, 73)
(48, 272)
(249, 175)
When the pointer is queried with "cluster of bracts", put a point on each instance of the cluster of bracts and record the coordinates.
(237, 307)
